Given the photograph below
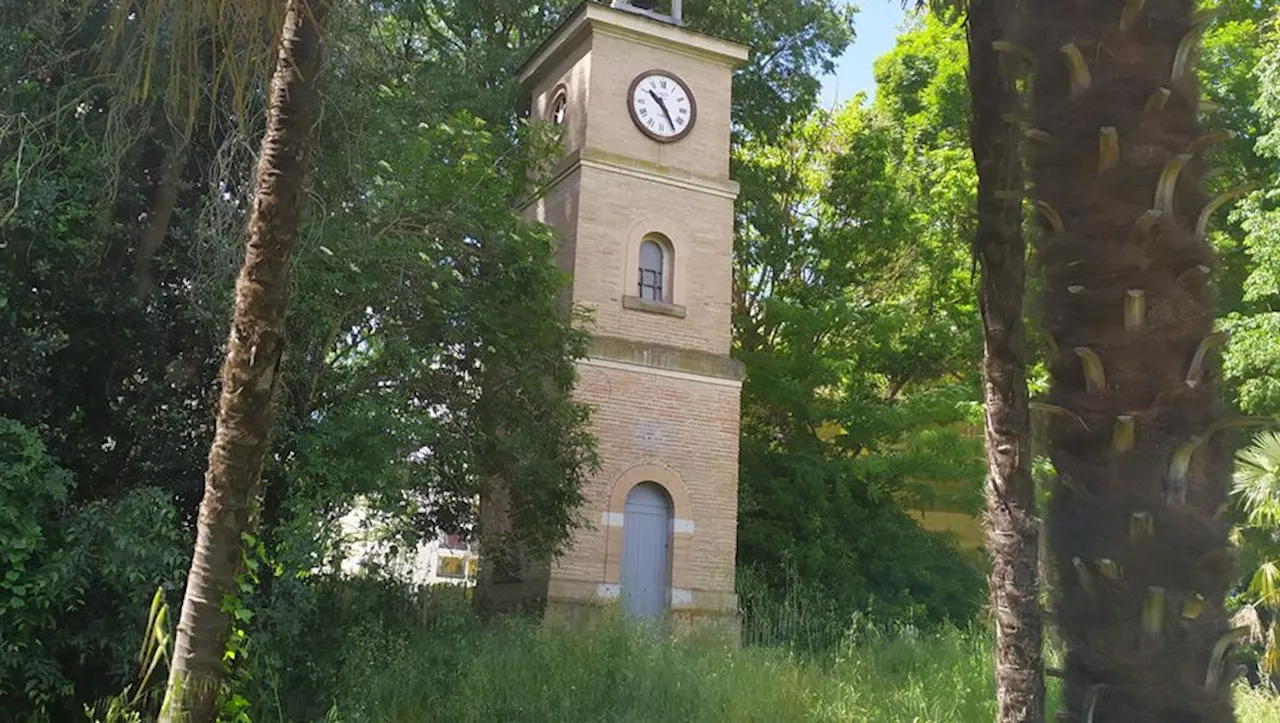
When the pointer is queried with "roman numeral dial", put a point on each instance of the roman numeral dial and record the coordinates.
(662, 106)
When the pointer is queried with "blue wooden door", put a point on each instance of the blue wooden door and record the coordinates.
(646, 551)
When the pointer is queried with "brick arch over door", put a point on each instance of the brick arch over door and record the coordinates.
(683, 527)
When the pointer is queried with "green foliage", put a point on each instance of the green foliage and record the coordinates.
(1257, 492)
(792, 43)
(608, 672)
(1233, 45)
(152, 659)
(854, 315)
(923, 84)
(1251, 362)
(822, 541)
(317, 630)
(126, 548)
(1256, 705)
(425, 314)
(35, 574)
(119, 390)
(452, 668)
(75, 579)
(1257, 481)
(1244, 53)
(1252, 357)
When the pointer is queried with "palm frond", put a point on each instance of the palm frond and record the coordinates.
(181, 51)
(1257, 480)
(1265, 585)
(1247, 617)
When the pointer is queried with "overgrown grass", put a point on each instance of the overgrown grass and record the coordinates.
(516, 671)
(1256, 706)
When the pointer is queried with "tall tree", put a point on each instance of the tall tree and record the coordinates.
(855, 316)
(249, 373)
(393, 303)
(1251, 359)
(843, 430)
(1139, 548)
(1011, 524)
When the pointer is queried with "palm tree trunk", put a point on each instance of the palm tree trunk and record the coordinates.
(1140, 555)
(1012, 528)
(249, 374)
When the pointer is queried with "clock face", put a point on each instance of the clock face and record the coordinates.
(662, 106)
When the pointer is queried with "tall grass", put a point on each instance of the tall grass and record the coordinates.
(422, 656)
(515, 671)
(1257, 706)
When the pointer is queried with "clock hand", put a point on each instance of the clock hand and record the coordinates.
(663, 106)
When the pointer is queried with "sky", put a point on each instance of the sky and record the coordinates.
(876, 25)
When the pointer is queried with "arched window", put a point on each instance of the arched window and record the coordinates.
(652, 266)
(559, 107)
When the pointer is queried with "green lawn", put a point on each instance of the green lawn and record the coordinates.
(516, 672)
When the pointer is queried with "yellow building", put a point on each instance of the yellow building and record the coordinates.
(946, 516)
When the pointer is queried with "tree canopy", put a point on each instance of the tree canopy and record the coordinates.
(430, 345)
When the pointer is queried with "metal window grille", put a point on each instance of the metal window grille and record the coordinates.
(651, 262)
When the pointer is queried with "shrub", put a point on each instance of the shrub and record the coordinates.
(75, 582)
(819, 546)
(36, 575)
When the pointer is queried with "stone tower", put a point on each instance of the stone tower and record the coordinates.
(643, 203)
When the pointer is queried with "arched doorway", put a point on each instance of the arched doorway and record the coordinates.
(646, 551)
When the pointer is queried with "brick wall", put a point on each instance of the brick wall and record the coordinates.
(682, 433)
(617, 186)
(615, 63)
(615, 213)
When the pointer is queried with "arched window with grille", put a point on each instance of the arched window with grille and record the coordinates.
(654, 280)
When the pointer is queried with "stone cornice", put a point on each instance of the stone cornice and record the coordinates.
(593, 17)
(627, 166)
(611, 350)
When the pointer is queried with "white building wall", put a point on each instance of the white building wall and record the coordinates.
(366, 541)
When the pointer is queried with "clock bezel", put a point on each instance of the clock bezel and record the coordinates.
(631, 108)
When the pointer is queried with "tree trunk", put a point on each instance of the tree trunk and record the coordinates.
(1140, 555)
(249, 373)
(163, 201)
(1012, 527)
(498, 587)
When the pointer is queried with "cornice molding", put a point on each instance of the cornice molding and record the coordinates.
(618, 353)
(592, 17)
(626, 166)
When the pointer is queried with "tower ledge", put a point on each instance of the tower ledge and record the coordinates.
(594, 17)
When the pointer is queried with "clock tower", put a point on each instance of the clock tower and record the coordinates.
(643, 204)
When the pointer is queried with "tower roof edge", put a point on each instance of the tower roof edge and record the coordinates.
(591, 17)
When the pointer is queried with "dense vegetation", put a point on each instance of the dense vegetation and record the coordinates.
(516, 671)
(450, 666)
(425, 315)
